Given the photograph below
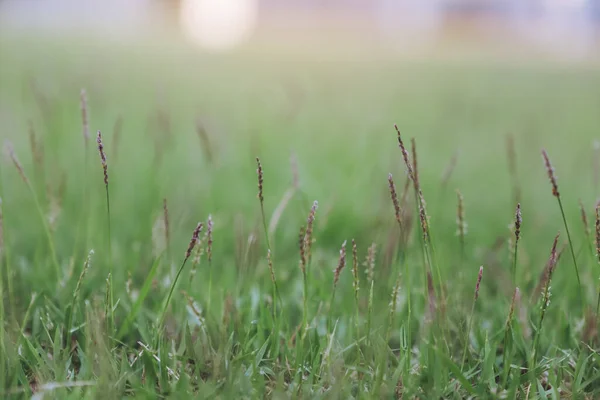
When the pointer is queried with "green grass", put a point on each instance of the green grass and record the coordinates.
(230, 331)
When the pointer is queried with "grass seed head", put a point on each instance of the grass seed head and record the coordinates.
(516, 298)
(102, 157)
(1, 228)
(259, 172)
(548, 279)
(84, 116)
(11, 153)
(301, 236)
(461, 222)
(355, 266)
(405, 155)
(423, 216)
(551, 176)
(270, 262)
(598, 231)
(413, 148)
(341, 264)
(553, 257)
(477, 286)
(209, 236)
(309, 228)
(194, 240)
(518, 222)
(394, 196)
(584, 219)
(370, 262)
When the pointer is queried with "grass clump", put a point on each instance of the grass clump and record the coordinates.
(253, 308)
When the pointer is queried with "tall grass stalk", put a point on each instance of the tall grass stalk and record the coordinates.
(545, 299)
(598, 251)
(398, 215)
(259, 172)
(428, 248)
(370, 269)
(86, 266)
(506, 355)
(4, 256)
(188, 253)
(21, 171)
(555, 193)
(274, 282)
(336, 277)
(461, 224)
(209, 255)
(471, 317)
(110, 257)
(305, 258)
(382, 368)
(356, 287)
(418, 205)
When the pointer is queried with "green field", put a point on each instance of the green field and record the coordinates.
(188, 127)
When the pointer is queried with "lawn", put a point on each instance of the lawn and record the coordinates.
(314, 285)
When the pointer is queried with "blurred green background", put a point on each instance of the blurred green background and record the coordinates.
(312, 93)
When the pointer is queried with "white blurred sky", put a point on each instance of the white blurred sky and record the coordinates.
(550, 23)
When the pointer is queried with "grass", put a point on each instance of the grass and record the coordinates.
(260, 311)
